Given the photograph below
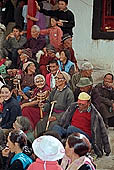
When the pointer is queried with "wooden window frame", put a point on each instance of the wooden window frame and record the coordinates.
(99, 27)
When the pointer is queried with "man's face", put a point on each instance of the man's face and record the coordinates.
(34, 33)
(87, 73)
(62, 5)
(68, 43)
(60, 80)
(108, 80)
(53, 68)
(16, 32)
(85, 89)
(83, 106)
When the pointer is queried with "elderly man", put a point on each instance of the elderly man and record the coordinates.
(13, 42)
(62, 96)
(37, 42)
(82, 117)
(106, 102)
(85, 71)
(85, 85)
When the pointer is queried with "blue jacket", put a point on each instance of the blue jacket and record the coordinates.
(67, 66)
(11, 109)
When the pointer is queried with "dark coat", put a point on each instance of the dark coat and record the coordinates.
(100, 139)
(11, 109)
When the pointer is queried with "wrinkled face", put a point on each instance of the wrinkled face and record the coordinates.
(53, 22)
(53, 68)
(87, 73)
(11, 145)
(34, 33)
(85, 89)
(68, 43)
(16, 32)
(108, 80)
(62, 5)
(60, 80)
(39, 82)
(5, 93)
(32, 68)
(62, 56)
(83, 106)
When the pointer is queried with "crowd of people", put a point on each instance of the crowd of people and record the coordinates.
(52, 115)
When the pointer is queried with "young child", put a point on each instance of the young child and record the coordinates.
(55, 33)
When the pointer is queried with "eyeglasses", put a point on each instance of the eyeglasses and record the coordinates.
(40, 81)
(58, 78)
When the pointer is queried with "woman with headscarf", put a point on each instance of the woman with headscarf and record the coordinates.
(31, 109)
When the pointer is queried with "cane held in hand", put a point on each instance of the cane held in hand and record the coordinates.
(52, 106)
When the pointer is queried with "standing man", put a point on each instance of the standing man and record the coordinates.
(65, 16)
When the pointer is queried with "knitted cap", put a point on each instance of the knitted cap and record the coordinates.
(27, 51)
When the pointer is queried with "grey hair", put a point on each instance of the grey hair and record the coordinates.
(39, 76)
(37, 28)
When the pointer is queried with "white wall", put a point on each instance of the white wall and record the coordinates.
(99, 52)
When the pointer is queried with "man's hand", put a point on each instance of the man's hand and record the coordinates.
(11, 35)
(5, 152)
(37, 6)
(52, 118)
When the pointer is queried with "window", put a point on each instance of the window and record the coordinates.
(103, 19)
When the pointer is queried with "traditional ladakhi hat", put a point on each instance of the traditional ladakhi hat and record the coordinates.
(51, 48)
(83, 82)
(86, 66)
(65, 75)
(83, 97)
(27, 51)
(39, 76)
(48, 148)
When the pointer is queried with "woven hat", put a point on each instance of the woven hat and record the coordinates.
(83, 98)
(48, 148)
(65, 75)
(86, 66)
(27, 51)
(83, 82)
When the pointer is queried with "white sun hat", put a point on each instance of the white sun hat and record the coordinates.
(48, 148)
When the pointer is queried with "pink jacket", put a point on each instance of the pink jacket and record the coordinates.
(55, 35)
(39, 164)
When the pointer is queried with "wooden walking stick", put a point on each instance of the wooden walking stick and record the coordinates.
(52, 105)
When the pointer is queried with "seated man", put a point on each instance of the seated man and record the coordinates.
(85, 71)
(85, 85)
(106, 103)
(13, 42)
(82, 117)
(54, 69)
(62, 96)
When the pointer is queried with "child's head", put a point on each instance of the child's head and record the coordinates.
(54, 21)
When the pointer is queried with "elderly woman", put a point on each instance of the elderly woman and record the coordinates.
(31, 109)
(36, 42)
(23, 123)
(64, 63)
(76, 149)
